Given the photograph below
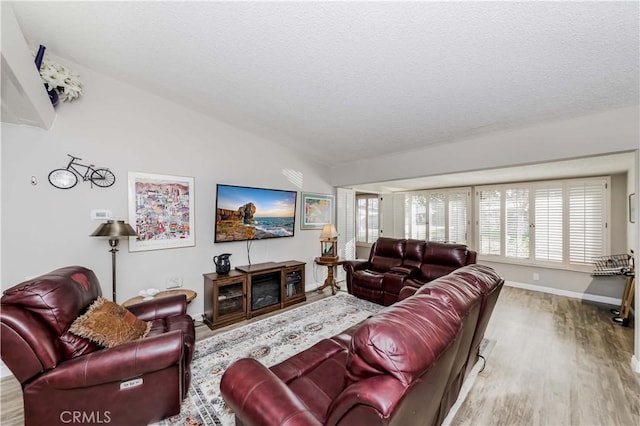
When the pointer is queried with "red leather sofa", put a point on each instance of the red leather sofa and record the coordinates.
(394, 263)
(66, 378)
(403, 366)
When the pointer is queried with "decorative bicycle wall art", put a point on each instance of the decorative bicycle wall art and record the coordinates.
(68, 178)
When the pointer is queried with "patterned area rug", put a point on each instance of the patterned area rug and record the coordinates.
(271, 341)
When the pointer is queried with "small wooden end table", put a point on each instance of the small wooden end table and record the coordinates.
(330, 264)
(166, 293)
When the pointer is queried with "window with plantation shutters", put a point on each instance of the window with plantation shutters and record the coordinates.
(544, 223)
(548, 223)
(517, 223)
(438, 215)
(587, 222)
(416, 216)
(367, 218)
(458, 217)
(489, 222)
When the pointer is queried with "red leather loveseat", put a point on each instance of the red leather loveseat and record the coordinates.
(402, 366)
(394, 263)
(67, 379)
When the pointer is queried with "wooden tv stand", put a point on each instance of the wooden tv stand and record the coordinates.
(252, 290)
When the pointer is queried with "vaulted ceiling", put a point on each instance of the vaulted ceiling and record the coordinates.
(342, 81)
(361, 79)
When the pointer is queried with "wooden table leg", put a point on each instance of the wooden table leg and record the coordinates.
(628, 300)
(330, 281)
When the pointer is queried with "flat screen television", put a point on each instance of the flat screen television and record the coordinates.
(245, 213)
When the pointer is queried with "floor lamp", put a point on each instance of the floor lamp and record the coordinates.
(114, 229)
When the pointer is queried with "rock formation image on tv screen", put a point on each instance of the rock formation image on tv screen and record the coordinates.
(244, 213)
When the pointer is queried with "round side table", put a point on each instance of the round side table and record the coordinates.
(330, 264)
(189, 293)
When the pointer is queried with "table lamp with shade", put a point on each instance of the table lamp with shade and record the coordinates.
(329, 242)
(114, 229)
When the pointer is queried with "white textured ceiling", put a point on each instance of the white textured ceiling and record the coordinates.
(357, 79)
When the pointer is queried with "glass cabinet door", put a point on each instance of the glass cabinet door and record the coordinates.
(293, 283)
(230, 299)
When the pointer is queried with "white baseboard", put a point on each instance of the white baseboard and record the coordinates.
(635, 364)
(197, 317)
(572, 294)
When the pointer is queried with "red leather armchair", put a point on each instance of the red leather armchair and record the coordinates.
(63, 375)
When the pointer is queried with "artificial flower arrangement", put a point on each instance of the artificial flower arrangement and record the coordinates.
(58, 78)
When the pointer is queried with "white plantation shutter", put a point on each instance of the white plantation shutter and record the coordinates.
(367, 218)
(345, 220)
(549, 223)
(346, 226)
(373, 222)
(437, 217)
(562, 222)
(458, 205)
(587, 220)
(416, 216)
(489, 229)
(517, 223)
(361, 220)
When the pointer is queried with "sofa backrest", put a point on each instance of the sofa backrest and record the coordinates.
(404, 354)
(36, 315)
(403, 340)
(441, 259)
(386, 253)
(486, 281)
(466, 300)
(413, 253)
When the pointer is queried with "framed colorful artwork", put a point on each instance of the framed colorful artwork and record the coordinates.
(317, 210)
(161, 210)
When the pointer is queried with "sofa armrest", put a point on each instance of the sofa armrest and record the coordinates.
(409, 271)
(162, 307)
(355, 265)
(378, 396)
(472, 257)
(259, 397)
(407, 291)
(120, 363)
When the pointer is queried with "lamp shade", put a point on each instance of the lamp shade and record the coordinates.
(328, 232)
(114, 228)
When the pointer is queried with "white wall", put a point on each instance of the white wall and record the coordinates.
(120, 127)
(600, 133)
(19, 78)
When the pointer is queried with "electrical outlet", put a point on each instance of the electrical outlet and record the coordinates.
(174, 282)
(536, 276)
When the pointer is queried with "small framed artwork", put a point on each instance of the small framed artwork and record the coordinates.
(161, 209)
(632, 208)
(317, 210)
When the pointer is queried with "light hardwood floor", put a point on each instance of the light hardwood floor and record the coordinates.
(556, 361)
